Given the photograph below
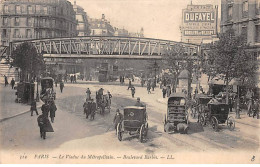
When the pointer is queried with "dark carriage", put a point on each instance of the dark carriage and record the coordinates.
(134, 122)
(216, 113)
(176, 118)
(47, 90)
(201, 104)
(103, 103)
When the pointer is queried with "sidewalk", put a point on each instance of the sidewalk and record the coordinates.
(8, 107)
(245, 120)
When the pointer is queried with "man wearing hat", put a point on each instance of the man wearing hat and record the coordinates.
(138, 103)
(88, 93)
(118, 118)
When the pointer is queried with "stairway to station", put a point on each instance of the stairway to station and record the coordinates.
(5, 69)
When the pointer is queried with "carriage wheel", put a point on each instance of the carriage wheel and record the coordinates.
(119, 132)
(214, 123)
(142, 133)
(164, 123)
(231, 123)
(202, 120)
(146, 129)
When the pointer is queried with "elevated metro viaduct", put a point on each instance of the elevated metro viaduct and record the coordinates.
(108, 47)
(64, 51)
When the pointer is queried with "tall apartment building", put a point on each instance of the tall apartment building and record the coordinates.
(101, 27)
(244, 17)
(83, 28)
(35, 19)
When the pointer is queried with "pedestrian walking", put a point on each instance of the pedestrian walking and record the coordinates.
(75, 79)
(44, 125)
(120, 78)
(71, 78)
(93, 108)
(53, 109)
(33, 107)
(142, 82)
(255, 108)
(149, 87)
(109, 99)
(6, 81)
(45, 109)
(88, 92)
(164, 91)
(86, 107)
(133, 91)
(153, 85)
(56, 82)
(61, 86)
(129, 84)
(168, 90)
(12, 83)
(123, 79)
(117, 119)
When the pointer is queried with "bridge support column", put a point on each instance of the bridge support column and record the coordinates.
(84, 71)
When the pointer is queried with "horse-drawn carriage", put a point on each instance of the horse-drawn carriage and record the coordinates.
(103, 102)
(200, 104)
(176, 118)
(216, 113)
(134, 121)
(47, 90)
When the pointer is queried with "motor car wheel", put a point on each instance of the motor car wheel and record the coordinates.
(231, 123)
(214, 123)
(202, 120)
(142, 133)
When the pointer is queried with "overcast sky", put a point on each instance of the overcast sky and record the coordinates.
(159, 18)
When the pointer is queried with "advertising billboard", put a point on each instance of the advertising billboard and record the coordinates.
(199, 22)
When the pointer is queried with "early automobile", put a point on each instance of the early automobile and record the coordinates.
(176, 118)
(134, 122)
(201, 103)
(47, 90)
(216, 113)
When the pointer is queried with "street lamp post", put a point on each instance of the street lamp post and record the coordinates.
(155, 67)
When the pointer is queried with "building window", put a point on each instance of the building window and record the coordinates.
(45, 10)
(258, 7)
(245, 9)
(44, 22)
(28, 33)
(29, 10)
(4, 33)
(29, 21)
(17, 9)
(230, 12)
(244, 33)
(53, 23)
(6, 9)
(16, 21)
(16, 33)
(38, 9)
(257, 34)
(5, 21)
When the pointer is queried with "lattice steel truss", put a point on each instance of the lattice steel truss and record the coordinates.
(108, 47)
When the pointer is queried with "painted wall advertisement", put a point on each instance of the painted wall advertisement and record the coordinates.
(199, 21)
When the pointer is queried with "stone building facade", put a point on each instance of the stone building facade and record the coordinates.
(244, 17)
(36, 19)
(101, 27)
(83, 28)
